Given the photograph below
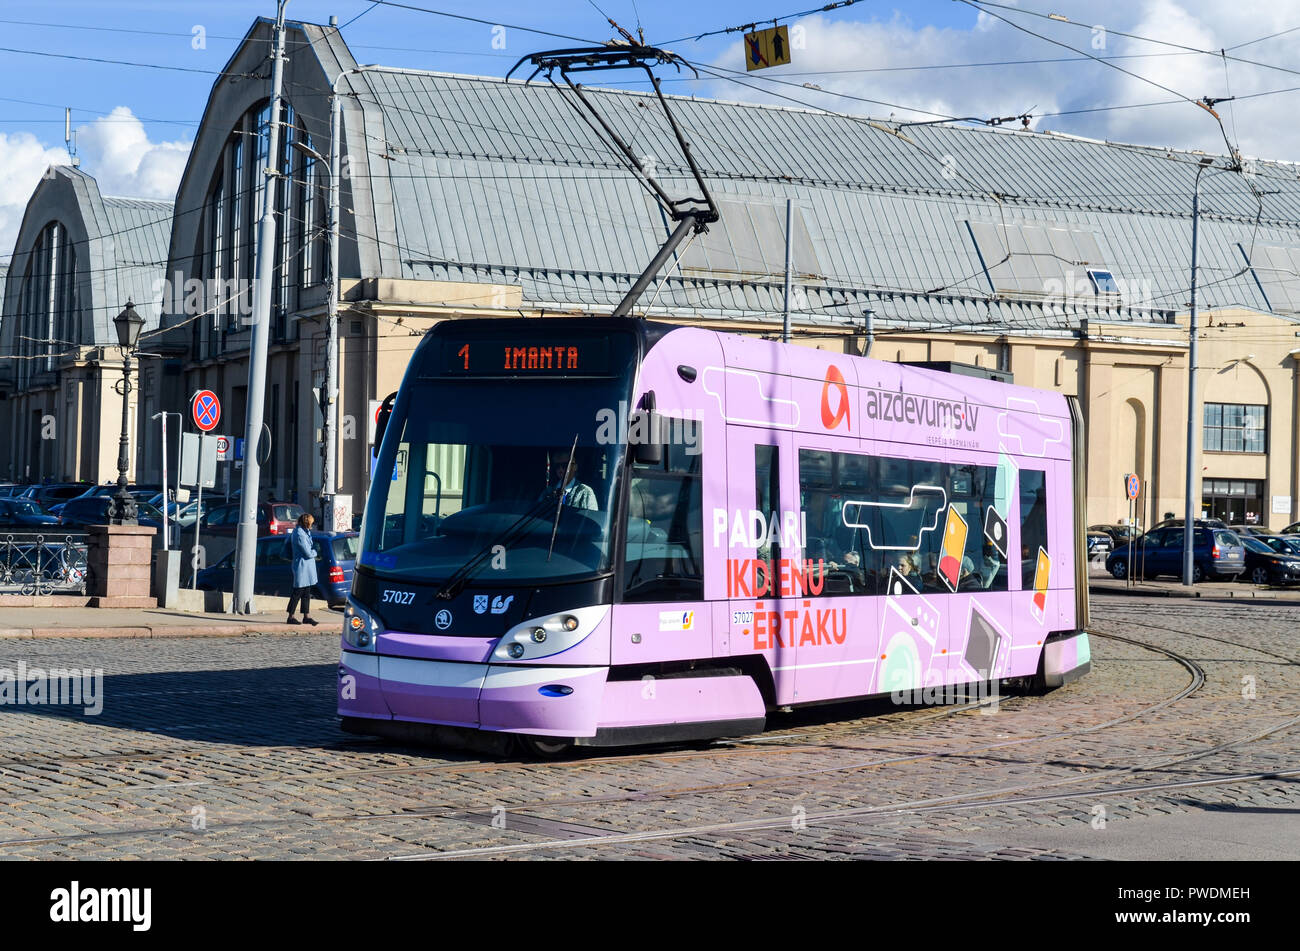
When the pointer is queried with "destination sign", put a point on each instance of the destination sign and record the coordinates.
(533, 355)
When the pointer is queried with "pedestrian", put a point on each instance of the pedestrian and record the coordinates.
(303, 554)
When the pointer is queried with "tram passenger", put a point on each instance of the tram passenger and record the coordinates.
(990, 566)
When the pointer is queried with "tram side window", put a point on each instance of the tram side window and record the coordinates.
(1033, 523)
(838, 552)
(665, 531)
(911, 510)
(867, 516)
(767, 493)
(972, 492)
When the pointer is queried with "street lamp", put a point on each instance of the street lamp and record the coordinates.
(128, 324)
(330, 395)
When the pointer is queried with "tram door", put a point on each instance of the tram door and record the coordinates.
(761, 530)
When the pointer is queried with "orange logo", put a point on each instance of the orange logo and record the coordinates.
(832, 419)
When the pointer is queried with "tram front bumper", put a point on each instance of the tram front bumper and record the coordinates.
(540, 701)
(1066, 657)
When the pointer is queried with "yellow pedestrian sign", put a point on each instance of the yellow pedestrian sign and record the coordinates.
(764, 48)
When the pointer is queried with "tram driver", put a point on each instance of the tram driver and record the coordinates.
(563, 481)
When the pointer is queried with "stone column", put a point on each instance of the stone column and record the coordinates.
(120, 561)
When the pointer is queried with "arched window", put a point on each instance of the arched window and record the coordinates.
(48, 323)
(226, 248)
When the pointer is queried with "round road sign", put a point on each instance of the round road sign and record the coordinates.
(206, 409)
(1131, 485)
(223, 445)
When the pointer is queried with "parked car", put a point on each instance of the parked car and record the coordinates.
(336, 556)
(1199, 522)
(1284, 544)
(1243, 530)
(1216, 554)
(24, 515)
(53, 494)
(273, 518)
(1292, 529)
(1099, 543)
(79, 513)
(184, 513)
(143, 493)
(1264, 565)
(1119, 534)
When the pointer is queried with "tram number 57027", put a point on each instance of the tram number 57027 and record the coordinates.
(397, 597)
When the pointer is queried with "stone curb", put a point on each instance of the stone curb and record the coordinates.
(1249, 594)
(168, 630)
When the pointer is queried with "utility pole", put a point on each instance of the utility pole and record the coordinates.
(330, 396)
(1189, 523)
(246, 532)
(789, 250)
(329, 478)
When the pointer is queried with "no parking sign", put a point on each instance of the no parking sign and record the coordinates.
(206, 410)
(1131, 485)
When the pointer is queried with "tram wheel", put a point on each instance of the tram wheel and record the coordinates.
(541, 747)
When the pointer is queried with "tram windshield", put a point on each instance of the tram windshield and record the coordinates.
(496, 479)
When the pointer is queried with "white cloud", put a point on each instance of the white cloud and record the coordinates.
(115, 149)
(23, 159)
(841, 54)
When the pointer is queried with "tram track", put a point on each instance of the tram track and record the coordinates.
(755, 825)
(451, 810)
(746, 746)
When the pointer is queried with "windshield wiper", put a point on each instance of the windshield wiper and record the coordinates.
(456, 581)
(559, 502)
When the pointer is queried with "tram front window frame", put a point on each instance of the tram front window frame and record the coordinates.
(491, 448)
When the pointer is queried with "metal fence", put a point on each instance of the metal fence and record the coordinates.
(34, 563)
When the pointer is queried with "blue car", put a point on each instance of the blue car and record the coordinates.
(336, 556)
(25, 515)
(1217, 554)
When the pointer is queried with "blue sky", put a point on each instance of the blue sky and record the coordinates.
(930, 56)
(393, 36)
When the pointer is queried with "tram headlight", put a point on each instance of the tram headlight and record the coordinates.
(550, 634)
(360, 627)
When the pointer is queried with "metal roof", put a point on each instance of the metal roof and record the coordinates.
(495, 180)
(121, 252)
(139, 229)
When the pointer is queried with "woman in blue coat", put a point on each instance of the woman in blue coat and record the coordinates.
(304, 569)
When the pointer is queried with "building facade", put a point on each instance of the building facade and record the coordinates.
(1060, 260)
(79, 259)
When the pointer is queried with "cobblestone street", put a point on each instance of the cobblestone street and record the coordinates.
(229, 748)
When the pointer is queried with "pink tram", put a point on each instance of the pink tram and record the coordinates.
(603, 532)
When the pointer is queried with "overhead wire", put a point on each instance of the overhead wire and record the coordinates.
(748, 27)
(492, 23)
(720, 77)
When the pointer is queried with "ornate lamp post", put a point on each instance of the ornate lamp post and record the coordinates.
(128, 324)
